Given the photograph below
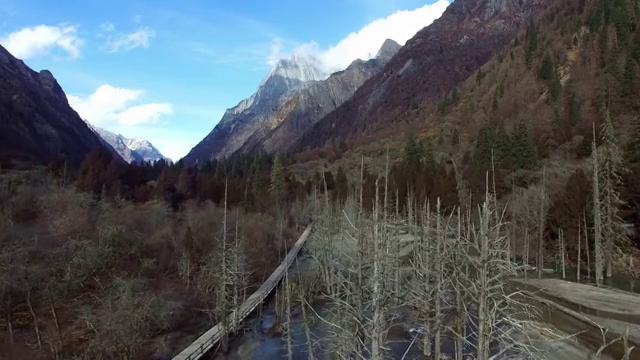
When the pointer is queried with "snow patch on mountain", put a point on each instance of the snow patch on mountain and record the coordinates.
(134, 150)
(296, 72)
(145, 149)
(297, 69)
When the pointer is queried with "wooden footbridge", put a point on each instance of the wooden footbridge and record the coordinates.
(206, 341)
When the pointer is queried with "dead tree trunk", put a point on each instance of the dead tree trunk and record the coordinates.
(541, 225)
(562, 254)
(597, 215)
(579, 252)
(586, 244)
(9, 322)
(440, 234)
(525, 254)
(32, 311)
(378, 315)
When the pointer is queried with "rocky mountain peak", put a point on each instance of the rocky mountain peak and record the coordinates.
(291, 99)
(388, 49)
(50, 83)
(295, 70)
(131, 150)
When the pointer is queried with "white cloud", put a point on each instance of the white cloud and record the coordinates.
(276, 51)
(125, 42)
(110, 104)
(39, 40)
(107, 27)
(144, 114)
(365, 43)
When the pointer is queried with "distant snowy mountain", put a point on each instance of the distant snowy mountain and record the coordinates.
(144, 149)
(132, 150)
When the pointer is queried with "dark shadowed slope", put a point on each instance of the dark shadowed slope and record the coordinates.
(37, 124)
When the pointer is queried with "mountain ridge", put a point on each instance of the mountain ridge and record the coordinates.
(282, 109)
(132, 150)
(37, 124)
(430, 65)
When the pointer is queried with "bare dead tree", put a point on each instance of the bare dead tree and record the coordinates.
(611, 168)
(579, 261)
(439, 270)
(562, 253)
(541, 225)
(500, 316)
(121, 319)
(529, 205)
(586, 243)
(597, 213)
(377, 330)
(459, 271)
(223, 305)
(422, 293)
(28, 286)
(287, 319)
(6, 289)
(513, 222)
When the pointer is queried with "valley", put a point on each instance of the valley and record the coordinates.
(471, 193)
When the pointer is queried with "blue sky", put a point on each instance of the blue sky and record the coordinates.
(167, 70)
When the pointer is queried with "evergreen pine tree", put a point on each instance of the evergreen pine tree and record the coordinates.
(221, 170)
(632, 148)
(532, 41)
(575, 112)
(547, 69)
(620, 11)
(636, 49)
(455, 96)
(413, 153)
(455, 137)
(555, 89)
(604, 46)
(277, 186)
(613, 63)
(429, 157)
(502, 151)
(629, 80)
(523, 149)
(187, 182)
(484, 146)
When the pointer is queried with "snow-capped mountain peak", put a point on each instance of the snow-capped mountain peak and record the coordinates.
(297, 68)
(132, 150)
(145, 149)
(294, 73)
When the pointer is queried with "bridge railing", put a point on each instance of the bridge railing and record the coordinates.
(206, 341)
